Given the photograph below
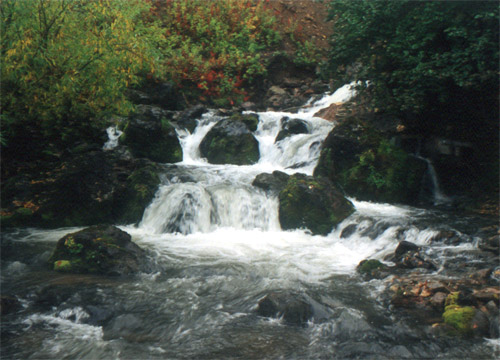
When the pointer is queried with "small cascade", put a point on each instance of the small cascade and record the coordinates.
(113, 136)
(222, 195)
(439, 198)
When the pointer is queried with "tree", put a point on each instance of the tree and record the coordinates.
(66, 63)
(432, 63)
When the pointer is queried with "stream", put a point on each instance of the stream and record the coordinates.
(215, 248)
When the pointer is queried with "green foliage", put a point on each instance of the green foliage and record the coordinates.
(212, 48)
(73, 248)
(417, 55)
(66, 61)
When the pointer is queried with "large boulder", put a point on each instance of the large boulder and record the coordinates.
(312, 203)
(149, 134)
(85, 188)
(230, 142)
(161, 94)
(101, 249)
(369, 167)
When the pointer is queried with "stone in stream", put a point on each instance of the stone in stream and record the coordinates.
(312, 203)
(230, 142)
(272, 183)
(102, 249)
(294, 309)
(291, 127)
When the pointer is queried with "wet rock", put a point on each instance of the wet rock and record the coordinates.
(480, 324)
(487, 294)
(250, 120)
(230, 142)
(9, 305)
(98, 316)
(438, 299)
(291, 127)
(273, 183)
(294, 309)
(187, 119)
(312, 203)
(373, 269)
(103, 250)
(329, 113)
(407, 256)
(459, 318)
(355, 152)
(348, 231)
(404, 247)
(491, 244)
(400, 352)
(149, 134)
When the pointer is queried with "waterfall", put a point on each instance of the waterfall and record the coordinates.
(222, 195)
(439, 198)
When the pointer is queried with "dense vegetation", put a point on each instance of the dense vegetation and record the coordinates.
(431, 62)
(66, 64)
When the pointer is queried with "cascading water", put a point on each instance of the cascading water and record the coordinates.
(216, 249)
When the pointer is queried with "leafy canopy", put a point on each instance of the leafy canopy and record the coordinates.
(417, 55)
(63, 60)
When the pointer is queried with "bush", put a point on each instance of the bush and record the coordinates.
(213, 48)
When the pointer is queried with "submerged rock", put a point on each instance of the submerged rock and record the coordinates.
(312, 203)
(293, 308)
(102, 249)
(230, 142)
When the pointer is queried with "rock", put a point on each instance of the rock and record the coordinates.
(487, 294)
(405, 247)
(149, 134)
(438, 299)
(358, 157)
(373, 269)
(276, 90)
(230, 142)
(250, 120)
(104, 250)
(407, 256)
(329, 113)
(459, 318)
(293, 308)
(480, 324)
(312, 203)
(272, 183)
(291, 127)
(348, 231)
(187, 118)
(9, 305)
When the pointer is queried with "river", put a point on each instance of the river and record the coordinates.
(215, 249)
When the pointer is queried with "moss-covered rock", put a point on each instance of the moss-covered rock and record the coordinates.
(369, 167)
(141, 186)
(312, 203)
(149, 134)
(100, 249)
(230, 142)
(459, 318)
(250, 120)
(373, 269)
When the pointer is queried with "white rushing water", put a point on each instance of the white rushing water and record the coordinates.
(220, 215)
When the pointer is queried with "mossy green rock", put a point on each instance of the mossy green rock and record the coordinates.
(250, 120)
(230, 142)
(369, 167)
(149, 134)
(459, 318)
(373, 269)
(101, 249)
(311, 203)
